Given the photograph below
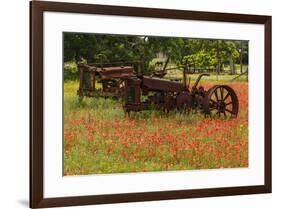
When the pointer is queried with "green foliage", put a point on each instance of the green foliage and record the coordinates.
(202, 59)
(198, 53)
(70, 71)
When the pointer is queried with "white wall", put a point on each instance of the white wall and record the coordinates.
(14, 103)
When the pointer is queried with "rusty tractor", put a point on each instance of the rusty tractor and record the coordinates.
(127, 82)
(111, 75)
(110, 78)
(219, 100)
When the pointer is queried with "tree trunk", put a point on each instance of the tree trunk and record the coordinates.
(218, 59)
(231, 65)
(76, 57)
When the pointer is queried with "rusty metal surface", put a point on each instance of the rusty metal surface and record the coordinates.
(132, 94)
(162, 94)
(155, 84)
(110, 77)
(184, 101)
(221, 100)
(115, 72)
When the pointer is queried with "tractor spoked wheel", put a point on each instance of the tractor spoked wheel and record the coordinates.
(221, 100)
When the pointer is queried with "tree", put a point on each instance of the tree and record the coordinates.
(202, 54)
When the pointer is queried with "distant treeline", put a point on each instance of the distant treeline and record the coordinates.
(206, 54)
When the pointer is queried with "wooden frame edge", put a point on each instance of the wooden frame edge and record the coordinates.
(37, 199)
(148, 12)
(268, 103)
(149, 196)
(36, 105)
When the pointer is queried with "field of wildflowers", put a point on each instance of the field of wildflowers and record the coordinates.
(99, 138)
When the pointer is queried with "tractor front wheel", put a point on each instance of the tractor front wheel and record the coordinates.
(221, 100)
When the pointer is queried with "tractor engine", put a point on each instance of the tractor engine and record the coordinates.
(161, 93)
(132, 94)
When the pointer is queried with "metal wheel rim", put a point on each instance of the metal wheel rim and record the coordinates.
(221, 100)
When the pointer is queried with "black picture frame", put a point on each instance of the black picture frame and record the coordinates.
(37, 8)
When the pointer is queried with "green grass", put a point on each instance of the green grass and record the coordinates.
(223, 77)
(99, 138)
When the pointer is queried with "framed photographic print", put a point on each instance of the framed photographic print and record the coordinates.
(139, 104)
